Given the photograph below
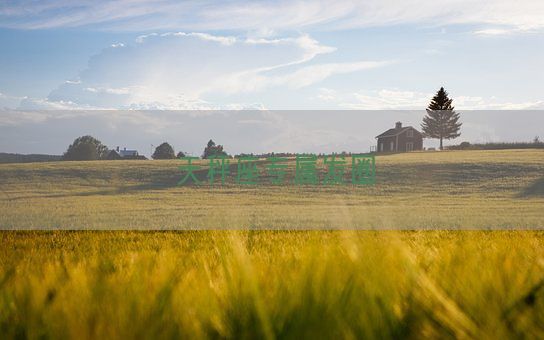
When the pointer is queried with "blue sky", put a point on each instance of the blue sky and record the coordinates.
(348, 54)
(202, 55)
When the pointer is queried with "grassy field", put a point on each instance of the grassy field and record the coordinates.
(250, 283)
(463, 189)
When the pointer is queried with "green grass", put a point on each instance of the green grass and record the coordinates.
(288, 284)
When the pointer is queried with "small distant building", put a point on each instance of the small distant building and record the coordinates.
(124, 154)
(400, 139)
(113, 155)
(127, 153)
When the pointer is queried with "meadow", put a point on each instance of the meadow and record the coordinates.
(455, 189)
(401, 259)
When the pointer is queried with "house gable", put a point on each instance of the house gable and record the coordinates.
(396, 132)
(400, 139)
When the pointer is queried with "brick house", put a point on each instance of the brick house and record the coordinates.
(400, 139)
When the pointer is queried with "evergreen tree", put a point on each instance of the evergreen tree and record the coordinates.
(441, 121)
(164, 151)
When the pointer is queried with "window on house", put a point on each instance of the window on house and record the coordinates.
(410, 133)
(409, 146)
(392, 145)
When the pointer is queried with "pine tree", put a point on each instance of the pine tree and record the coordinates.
(441, 121)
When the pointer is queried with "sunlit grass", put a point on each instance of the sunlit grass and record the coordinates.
(265, 284)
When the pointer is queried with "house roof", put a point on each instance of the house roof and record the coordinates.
(395, 132)
(128, 153)
(113, 155)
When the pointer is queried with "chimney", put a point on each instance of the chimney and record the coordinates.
(125, 149)
(117, 149)
(398, 125)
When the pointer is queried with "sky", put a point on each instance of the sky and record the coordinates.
(260, 55)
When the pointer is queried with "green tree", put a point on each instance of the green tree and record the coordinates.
(180, 154)
(164, 151)
(85, 148)
(441, 121)
(212, 149)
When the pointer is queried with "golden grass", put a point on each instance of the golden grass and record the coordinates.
(246, 284)
(272, 284)
(464, 189)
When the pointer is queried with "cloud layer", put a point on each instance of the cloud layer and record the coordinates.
(179, 70)
(263, 59)
(266, 16)
(202, 71)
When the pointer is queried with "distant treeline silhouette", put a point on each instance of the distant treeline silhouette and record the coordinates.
(285, 154)
(19, 158)
(216, 150)
(497, 146)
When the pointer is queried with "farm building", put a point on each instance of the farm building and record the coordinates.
(124, 154)
(400, 139)
(127, 153)
(113, 155)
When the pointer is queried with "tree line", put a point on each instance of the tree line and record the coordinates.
(88, 148)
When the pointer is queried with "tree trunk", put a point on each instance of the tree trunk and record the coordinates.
(440, 143)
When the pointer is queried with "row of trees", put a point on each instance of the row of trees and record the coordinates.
(87, 148)
(166, 151)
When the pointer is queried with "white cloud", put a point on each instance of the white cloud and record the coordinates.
(144, 121)
(259, 79)
(479, 103)
(178, 70)
(395, 99)
(327, 95)
(315, 73)
(123, 90)
(310, 46)
(223, 40)
(494, 32)
(9, 101)
(386, 99)
(46, 104)
(264, 17)
(13, 117)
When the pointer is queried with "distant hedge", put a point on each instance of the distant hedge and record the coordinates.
(19, 158)
(496, 146)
